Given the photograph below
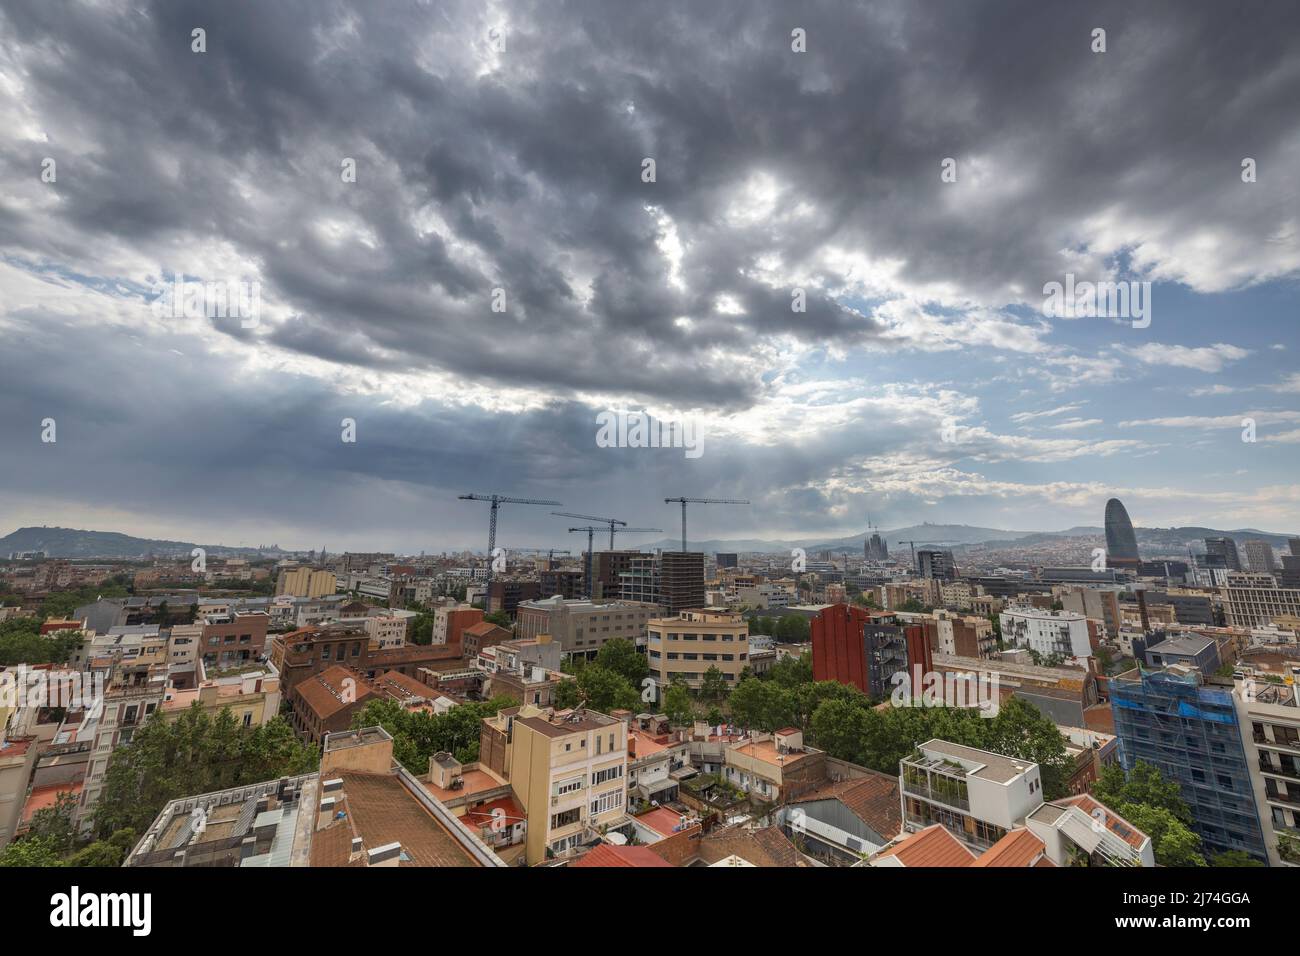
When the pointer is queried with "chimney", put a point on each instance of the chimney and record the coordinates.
(387, 855)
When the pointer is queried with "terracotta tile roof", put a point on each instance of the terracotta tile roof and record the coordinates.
(661, 820)
(764, 847)
(324, 693)
(1018, 848)
(1114, 822)
(384, 811)
(872, 799)
(332, 846)
(484, 628)
(608, 855)
(933, 846)
(44, 798)
(400, 687)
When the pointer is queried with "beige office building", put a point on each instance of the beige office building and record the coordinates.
(306, 583)
(687, 645)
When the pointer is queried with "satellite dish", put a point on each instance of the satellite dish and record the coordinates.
(617, 839)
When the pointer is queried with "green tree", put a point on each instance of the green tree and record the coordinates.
(840, 728)
(1234, 858)
(1172, 842)
(713, 687)
(605, 690)
(500, 619)
(422, 628)
(190, 754)
(55, 824)
(418, 735)
(621, 656)
(106, 853)
(30, 852)
(791, 671)
(1143, 784)
(677, 705)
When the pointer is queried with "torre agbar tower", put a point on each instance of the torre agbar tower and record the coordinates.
(1121, 542)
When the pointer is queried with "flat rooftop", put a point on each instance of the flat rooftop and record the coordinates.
(989, 766)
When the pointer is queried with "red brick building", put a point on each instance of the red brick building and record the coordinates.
(853, 645)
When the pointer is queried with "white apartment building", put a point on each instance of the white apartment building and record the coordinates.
(1268, 714)
(1047, 632)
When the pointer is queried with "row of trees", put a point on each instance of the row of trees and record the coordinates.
(789, 628)
(193, 753)
(418, 735)
(166, 760)
(21, 642)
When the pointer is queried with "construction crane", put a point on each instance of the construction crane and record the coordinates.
(913, 544)
(591, 532)
(700, 501)
(609, 521)
(497, 501)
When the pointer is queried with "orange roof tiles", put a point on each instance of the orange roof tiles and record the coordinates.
(872, 799)
(933, 846)
(661, 820)
(1017, 848)
(606, 854)
(1114, 822)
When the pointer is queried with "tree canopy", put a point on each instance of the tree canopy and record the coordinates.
(191, 754)
(418, 735)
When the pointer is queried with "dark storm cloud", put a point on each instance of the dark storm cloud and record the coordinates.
(535, 166)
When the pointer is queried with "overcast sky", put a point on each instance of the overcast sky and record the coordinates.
(501, 146)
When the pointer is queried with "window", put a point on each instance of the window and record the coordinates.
(609, 773)
(566, 818)
(607, 801)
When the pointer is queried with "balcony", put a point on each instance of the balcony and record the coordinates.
(1280, 770)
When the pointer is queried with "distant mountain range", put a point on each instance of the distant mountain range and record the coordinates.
(75, 543)
(960, 536)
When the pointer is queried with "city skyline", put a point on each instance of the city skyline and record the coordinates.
(923, 380)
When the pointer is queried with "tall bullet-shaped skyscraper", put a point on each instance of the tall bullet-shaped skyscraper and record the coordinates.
(1121, 542)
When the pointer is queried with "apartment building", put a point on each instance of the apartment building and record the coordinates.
(1059, 633)
(305, 652)
(774, 768)
(234, 639)
(962, 635)
(981, 798)
(764, 597)
(450, 622)
(1192, 735)
(132, 692)
(686, 645)
(681, 580)
(1097, 604)
(1268, 715)
(865, 648)
(183, 645)
(253, 696)
(386, 630)
(583, 627)
(306, 583)
(1257, 602)
(567, 769)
